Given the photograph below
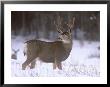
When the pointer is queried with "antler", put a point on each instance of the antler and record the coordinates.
(71, 24)
(59, 24)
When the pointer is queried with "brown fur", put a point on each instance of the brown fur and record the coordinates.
(50, 52)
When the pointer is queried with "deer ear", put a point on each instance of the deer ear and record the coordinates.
(13, 50)
(17, 50)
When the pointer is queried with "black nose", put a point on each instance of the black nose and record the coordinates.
(64, 33)
(59, 38)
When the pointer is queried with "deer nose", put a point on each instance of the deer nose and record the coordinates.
(59, 38)
(64, 33)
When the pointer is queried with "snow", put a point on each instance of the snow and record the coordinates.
(82, 62)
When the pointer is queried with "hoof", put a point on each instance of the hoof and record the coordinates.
(23, 67)
(32, 67)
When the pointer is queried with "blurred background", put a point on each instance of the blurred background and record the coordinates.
(40, 24)
(84, 58)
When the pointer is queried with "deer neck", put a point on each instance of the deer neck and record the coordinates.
(67, 45)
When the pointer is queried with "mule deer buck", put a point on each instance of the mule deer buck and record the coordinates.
(50, 52)
(14, 55)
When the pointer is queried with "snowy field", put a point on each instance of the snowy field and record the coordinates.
(83, 61)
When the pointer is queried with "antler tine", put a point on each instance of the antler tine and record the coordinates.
(73, 20)
(59, 25)
(59, 20)
(71, 24)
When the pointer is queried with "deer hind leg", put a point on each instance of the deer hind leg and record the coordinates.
(59, 65)
(33, 64)
(26, 63)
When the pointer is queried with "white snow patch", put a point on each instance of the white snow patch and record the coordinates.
(78, 64)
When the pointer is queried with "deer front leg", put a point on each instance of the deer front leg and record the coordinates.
(59, 65)
(55, 64)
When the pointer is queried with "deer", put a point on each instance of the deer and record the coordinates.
(14, 55)
(50, 52)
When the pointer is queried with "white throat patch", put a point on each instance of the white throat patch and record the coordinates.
(66, 41)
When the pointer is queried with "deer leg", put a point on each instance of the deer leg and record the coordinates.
(59, 65)
(55, 64)
(33, 64)
(24, 65)
(27, 62)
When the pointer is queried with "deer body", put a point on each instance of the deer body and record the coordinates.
(50, 52)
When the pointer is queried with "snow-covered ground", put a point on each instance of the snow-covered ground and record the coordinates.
(84, 61)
